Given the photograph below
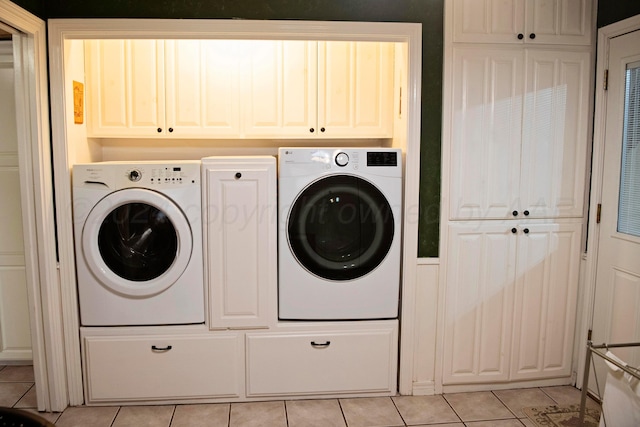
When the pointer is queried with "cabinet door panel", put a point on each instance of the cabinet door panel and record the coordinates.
(125, 87)
(559, 21)
(202, 83)
(479, 303)
(240, 239)
(355, 89)
(546, 294)
(554, 141)
(279, 89)
(486, 131)
(488, 21)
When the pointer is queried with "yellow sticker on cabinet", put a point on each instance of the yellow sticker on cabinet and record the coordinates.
(78, 102)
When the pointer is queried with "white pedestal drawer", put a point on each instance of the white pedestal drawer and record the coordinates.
(322, 363)
(119, 368)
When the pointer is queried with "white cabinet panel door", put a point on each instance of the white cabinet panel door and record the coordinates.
(481, 262)
(279, 90)
(486, 132)
(203, 87)
(240, 205)
(355, 89)
(546, 298)
(125, 87)
(554, 137)
(522, 21)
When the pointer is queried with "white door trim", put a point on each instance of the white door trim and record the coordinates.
(605, 34)
(34, 154)
(61, 30)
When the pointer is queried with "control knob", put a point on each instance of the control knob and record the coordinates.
(135, 175)
(342, 159)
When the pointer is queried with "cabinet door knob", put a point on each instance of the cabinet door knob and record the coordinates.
(525, 231)
(514, 213)
(520, 36)
(532, 36)
(159, 130)
(526, 213)
(170, 129)
(321, 129)
(320, 344)
(514, 230)
(238, 175)
(312, 130)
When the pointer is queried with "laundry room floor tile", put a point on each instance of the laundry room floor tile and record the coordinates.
(495, 423)
(516, 400)
(258, 414)
(478, 406)
(417, 410)
(370, 412)
(567, 395)
(17, 373)
(201, 415)
(314, 413)
(28, 400)
(83, 416)
(11, 393)
(144, 416)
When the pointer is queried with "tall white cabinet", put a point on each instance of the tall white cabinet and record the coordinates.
(517, 129)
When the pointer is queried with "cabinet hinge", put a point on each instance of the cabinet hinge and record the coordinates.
(589, 335)
(606, 80)
(598, 213)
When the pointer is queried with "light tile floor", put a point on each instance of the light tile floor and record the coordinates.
(498, 409)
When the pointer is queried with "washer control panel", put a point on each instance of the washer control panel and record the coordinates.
(151, 174)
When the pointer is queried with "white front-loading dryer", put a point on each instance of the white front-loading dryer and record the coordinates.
(138, 243)
(339, 233)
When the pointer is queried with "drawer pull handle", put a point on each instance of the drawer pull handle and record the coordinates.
(320, 344)
(155, 348)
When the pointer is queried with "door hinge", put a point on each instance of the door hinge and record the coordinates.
(605, 82)
(400, 103)
(598, 213)
(589, 335)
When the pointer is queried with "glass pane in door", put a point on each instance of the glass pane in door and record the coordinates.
(629, 200)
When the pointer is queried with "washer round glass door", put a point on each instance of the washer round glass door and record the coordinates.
(340, 227)
(137, 242)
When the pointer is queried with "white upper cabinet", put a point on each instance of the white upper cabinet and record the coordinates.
(279, 90)
(150, 88)
(239, 88)
(519, 133)
(318, 89)
(355, 89)
(523, 21)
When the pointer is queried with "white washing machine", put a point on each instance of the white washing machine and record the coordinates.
(339, 233)
(138, 237)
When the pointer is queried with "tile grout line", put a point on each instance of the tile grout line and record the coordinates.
(173, 414)
(505, 405)
(115, 416)
(398, 410)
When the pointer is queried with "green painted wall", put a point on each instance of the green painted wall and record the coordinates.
(614, 11)
(427, 12)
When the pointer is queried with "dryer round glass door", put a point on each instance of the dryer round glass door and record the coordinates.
(137, 242)
(340, 227)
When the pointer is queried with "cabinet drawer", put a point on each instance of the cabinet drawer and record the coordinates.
(340, 362)
(144, 368)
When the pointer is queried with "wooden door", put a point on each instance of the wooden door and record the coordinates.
(554, 134)
(546, 296)
(616, 317)
(480, 270)
(15, 333)
(486, 132)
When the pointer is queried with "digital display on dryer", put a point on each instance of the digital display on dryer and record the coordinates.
(382, 158)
